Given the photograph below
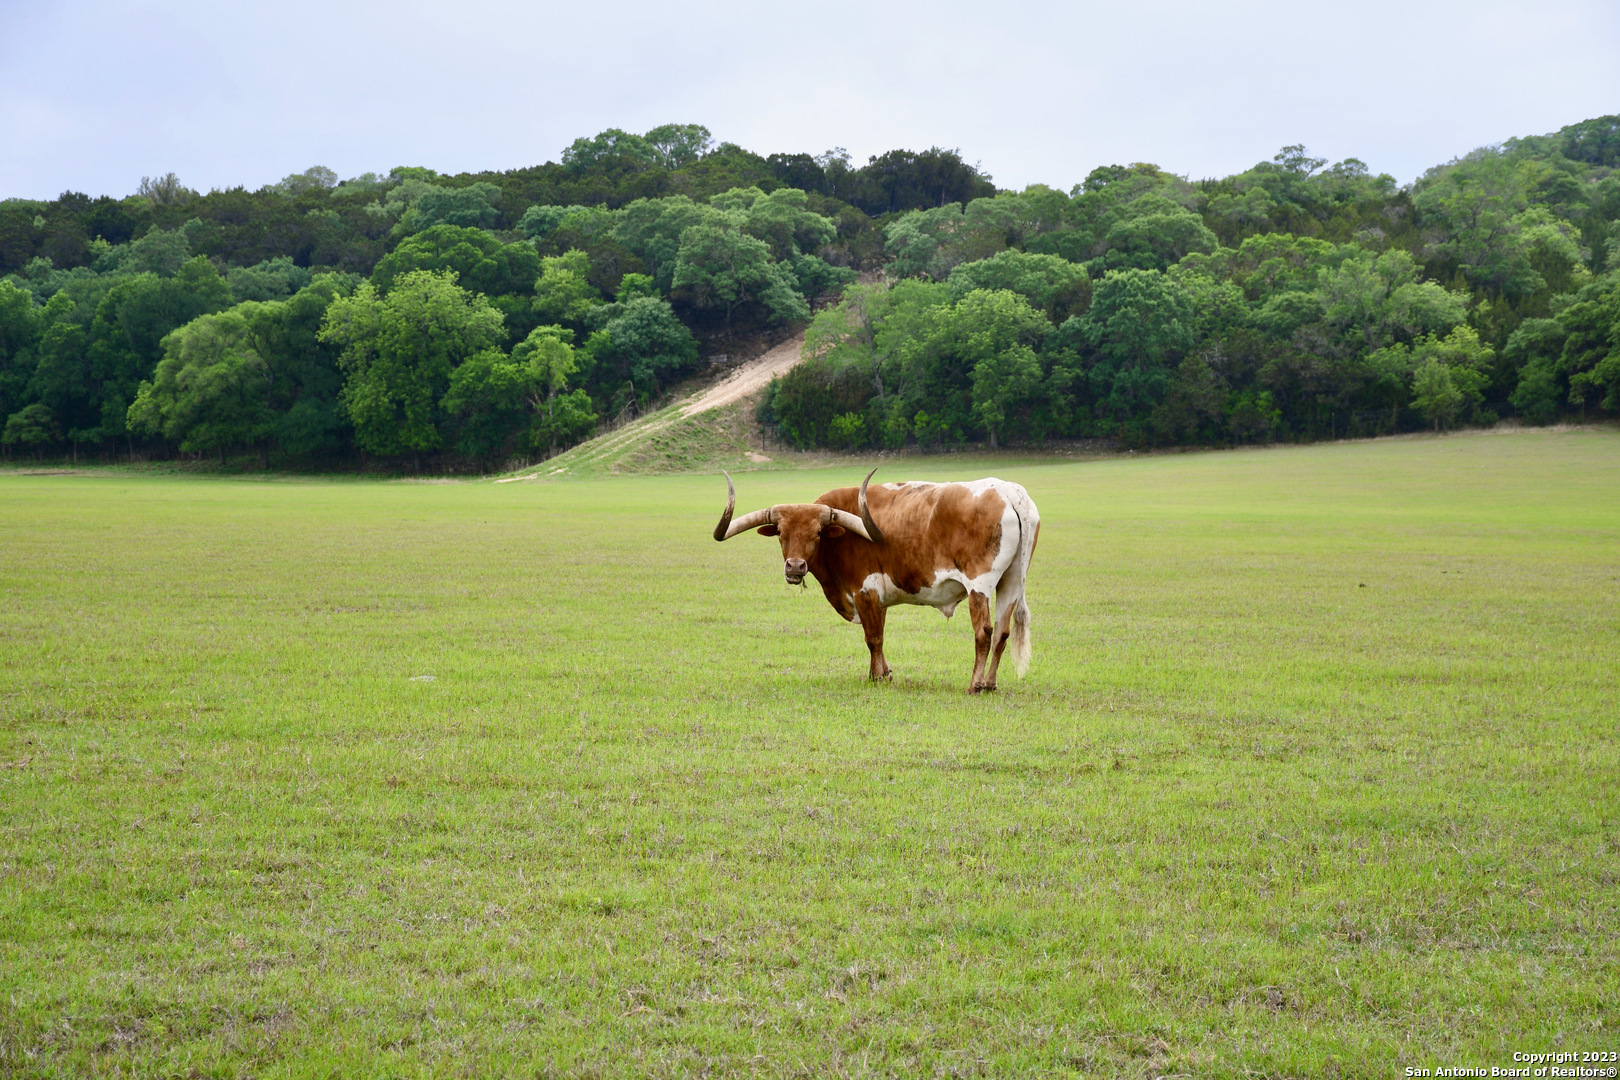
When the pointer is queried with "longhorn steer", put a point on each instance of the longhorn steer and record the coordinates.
(939, 544)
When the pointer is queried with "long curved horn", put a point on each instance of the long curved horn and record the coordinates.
(749, 521)
(872, 532)
(728, 528)
(850, 522)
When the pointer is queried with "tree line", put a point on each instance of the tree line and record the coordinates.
(463, 318)
(414, 317)
(1291, 301)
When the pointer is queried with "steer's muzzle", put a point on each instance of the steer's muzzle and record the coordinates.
(795, 570)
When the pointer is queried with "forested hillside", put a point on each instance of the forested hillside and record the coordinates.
(418, 319)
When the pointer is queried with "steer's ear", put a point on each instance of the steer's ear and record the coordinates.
(768, 530)
(833, 530)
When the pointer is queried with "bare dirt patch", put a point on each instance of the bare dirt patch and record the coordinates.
(752, 376)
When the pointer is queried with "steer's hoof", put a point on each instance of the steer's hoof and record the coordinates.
(880, 676)
(982, 688)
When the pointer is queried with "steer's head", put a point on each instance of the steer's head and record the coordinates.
(800, 526)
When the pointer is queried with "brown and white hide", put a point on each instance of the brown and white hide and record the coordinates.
(870, 548)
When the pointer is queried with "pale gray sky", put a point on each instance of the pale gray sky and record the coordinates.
(98, 93)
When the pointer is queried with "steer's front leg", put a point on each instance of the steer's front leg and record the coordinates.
(983, 628)
(872, 613)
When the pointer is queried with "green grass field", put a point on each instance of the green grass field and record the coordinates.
(1315, 774)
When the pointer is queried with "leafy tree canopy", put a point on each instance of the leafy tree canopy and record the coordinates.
(1043, 280)
(210, 391)
(480, 261)
(399, 349)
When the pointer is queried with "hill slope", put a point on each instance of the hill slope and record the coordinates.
(709, 428)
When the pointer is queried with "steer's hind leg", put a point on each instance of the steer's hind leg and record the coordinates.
(983, 627)
(1003, 631)
(873, 613)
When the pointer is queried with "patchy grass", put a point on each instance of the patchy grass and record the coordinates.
(712, 440)
(1314, 774)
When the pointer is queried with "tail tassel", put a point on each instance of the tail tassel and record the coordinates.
(1020, 638)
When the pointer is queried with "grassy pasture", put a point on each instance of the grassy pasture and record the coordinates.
(1314, 775)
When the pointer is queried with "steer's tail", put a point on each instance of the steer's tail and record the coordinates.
(1020, 637)
(1012, 581)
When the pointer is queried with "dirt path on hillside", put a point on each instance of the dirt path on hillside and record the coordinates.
(604, 449)
(752, 376)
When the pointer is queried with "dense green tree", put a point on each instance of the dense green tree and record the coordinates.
(468, 207)
(1480, 206)
(723, 267)
(1534, 341)
(539, 222)
(1046, 281)
(273, 279)
(1220, 311)
(499, 399)
(781, 219)
(1138, 326)
(644, 343)
(398, 352)
(1590, 360)
(806, 172)
(847, 334)
(21, 324)
(993, 333)
(210, 391)
(415, 201)
(305, 379)
(1446, 374)
(61, 379)
(1435, 392)
(563, 293)
(1449, 374)
(584, 227)
(161, 252)
(879, 353)
(611, 150)
(1268, 264)
(491, 398)
(31, 426)
(1154, 233)
(1536, 395)
(1010, 219)
(570, 418)
(678, 145)
(315, 178)
(562, 419)
(1595, 141)
(591, 229)
(923, 242)
(1381, 299)
(905, 180)
(396, 203)
(634, 287)
(1109, 196)
(126, 336)
(481, 262)
(548, 355)
(1294, 193)
(1192, 408)
(815, 277)
(1286, 313)
(652, 229)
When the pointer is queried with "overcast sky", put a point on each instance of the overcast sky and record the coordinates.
(94, 95)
